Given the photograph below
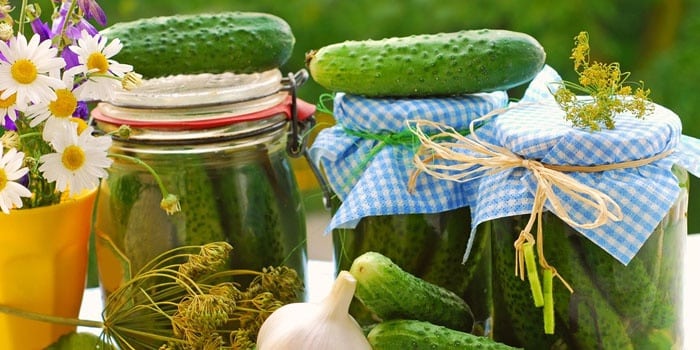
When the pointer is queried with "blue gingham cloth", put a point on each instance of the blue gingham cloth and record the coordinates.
(534, 128)
(372, 184)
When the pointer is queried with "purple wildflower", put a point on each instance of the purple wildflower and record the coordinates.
(42, 29)
(93, 11)
(71, 58)
(82, 111)
(75, 31)
(9, 124)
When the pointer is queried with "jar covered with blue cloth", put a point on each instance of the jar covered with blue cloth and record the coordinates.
(424, 227)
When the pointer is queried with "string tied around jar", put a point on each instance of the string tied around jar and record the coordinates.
(450, 155)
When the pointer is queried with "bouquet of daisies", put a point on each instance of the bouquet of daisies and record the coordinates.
(47, 80)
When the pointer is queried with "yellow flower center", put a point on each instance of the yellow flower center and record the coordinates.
(82, 125)
(3, 179)
(24, 71)
(73, 157)
(6, 103)
(64, 105)
(98, 62)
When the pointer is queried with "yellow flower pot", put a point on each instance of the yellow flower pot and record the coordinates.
(43, 261)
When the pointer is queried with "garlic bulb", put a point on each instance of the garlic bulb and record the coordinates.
(316, 326)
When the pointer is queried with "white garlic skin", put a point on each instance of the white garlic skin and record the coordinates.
(325, 325)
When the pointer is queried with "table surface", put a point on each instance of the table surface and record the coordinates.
(321, 278)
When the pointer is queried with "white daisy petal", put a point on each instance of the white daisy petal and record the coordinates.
(37, 86)
(80, 176)
(113, 48)
(12, 192)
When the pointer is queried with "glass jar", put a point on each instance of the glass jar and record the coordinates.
(613, 306)
(422, 224)
(221, 143)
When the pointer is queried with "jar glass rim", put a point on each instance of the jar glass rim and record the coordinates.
(187, 91)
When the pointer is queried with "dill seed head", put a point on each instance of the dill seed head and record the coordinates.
(607, 87)
(211, 258)
(206, 311)
(242, 339)
(282, 281)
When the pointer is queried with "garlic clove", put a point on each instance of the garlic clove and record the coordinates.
(316, 326)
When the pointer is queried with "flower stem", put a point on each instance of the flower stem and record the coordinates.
(163, 190)
(29, 134)
(64, 27)
(49, 318)
(22, 15)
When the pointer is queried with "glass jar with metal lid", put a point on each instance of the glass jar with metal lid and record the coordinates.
(222, 144)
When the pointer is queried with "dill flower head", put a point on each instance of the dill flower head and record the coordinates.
(211, 258)
(605, 91)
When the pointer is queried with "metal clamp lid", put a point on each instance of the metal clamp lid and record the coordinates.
(299, 129)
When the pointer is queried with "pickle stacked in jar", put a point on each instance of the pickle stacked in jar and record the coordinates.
(613, 306)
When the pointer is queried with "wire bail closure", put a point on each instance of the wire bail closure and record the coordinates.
(297, 138)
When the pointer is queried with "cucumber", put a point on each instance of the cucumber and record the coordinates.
(421, 335)
(629, 289)
(467, 61)
(199, 220)
(392, 293)
(408, 240)
(429, 246)
(238, 42)
(590, 319)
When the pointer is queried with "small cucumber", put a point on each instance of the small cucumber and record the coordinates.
(392, 293)
(467, 61)
(421, 335)
(239, 42)
(199, 221)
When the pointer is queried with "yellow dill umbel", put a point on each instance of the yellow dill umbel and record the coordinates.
(605, 91)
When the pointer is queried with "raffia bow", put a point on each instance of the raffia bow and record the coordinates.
(447, 154)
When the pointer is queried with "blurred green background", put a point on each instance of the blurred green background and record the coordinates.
(656, 40)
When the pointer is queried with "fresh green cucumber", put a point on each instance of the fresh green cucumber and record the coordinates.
(429, 246)
(629, 289)
(199, 219)
(392, 293)
(461, 62)
(239, 42)
(421, 335)
(405, 239)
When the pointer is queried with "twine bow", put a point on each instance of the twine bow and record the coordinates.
(465, 158)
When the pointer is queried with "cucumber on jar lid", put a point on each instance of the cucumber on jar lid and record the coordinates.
(237, 42)
(467, 61)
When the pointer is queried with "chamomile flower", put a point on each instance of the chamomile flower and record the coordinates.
(29, 70)
(102, 74)
(57, 110)
(11, 170)
(80, 160)
(8, 107)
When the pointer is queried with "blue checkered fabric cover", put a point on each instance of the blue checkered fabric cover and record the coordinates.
(376, 184)
(535, 128)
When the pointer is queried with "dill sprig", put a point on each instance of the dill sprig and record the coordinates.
(607, 89)
(185, 300)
